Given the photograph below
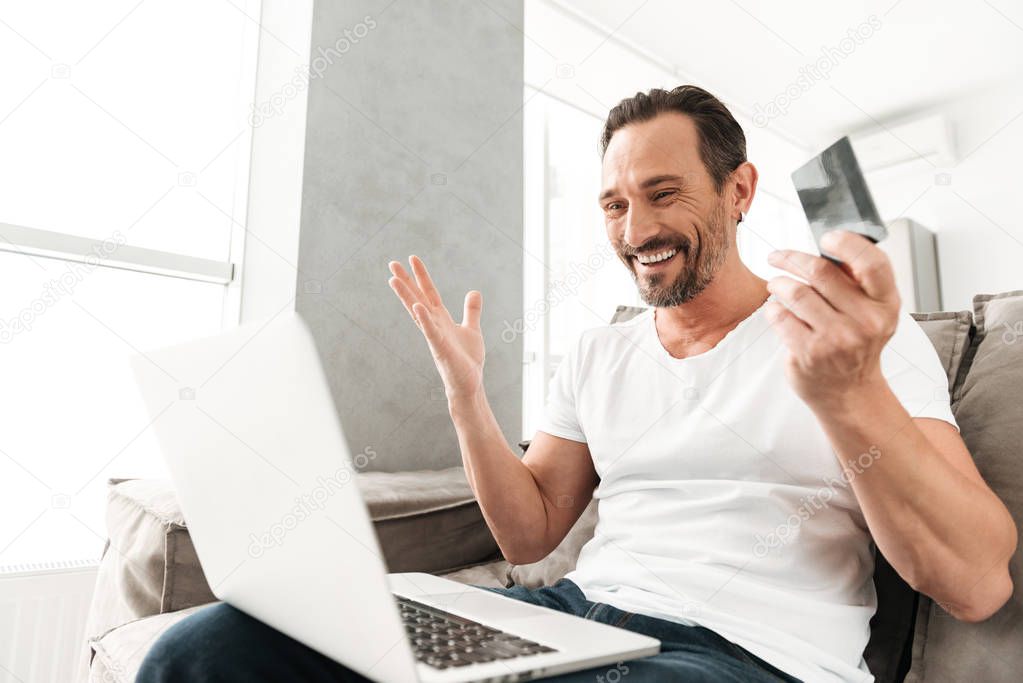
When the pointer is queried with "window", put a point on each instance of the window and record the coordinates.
(573, 279)
(125, 137)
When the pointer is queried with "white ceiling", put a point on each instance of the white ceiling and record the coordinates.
(920, 53)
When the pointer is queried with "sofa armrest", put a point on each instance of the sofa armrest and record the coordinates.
(427, 521)
(148, 565)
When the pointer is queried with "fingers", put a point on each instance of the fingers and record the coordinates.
(471, 312)
(834, 284)
(804, 301)
(422, 292)
(424, 281)
(420, 313)
(866, 262)
(400, 274)
(427, 324)
(793, 332)
(405, 293)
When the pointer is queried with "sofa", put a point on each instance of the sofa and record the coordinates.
(150, 578)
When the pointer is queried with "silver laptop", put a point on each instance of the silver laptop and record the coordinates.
(265, 478)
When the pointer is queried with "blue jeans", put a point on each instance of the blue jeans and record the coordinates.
(220, 644)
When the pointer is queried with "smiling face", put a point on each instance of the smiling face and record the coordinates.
(664, 217)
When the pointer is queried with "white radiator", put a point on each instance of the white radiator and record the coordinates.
(43, 608)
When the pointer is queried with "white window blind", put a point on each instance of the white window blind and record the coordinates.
(125, 139)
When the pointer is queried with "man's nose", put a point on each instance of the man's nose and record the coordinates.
(639, 226)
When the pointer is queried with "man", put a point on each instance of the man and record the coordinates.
(747, 440)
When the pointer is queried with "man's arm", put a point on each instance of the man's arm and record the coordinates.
(929, 510)
(529, 504)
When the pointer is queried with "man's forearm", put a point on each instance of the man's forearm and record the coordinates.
(950, 537)
(507, 493)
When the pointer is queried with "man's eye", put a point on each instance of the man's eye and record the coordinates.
(615, 206)
(662, 194)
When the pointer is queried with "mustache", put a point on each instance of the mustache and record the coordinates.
(654, 244)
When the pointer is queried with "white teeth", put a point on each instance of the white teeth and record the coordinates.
(659, 256)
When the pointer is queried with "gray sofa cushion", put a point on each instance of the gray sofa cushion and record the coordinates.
(989, 410)
(625, 313)
(950, 332)
(427, 521)
(120, 651)
(491, 575)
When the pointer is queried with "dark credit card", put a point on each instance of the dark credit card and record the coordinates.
(834, 194)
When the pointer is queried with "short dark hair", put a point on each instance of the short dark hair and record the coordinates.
(722, 142)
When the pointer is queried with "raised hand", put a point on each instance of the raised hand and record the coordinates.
(457, 348)
(836, 325)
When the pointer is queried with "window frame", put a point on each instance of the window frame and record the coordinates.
(35, 242)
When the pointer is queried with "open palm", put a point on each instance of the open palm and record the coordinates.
(457, 348)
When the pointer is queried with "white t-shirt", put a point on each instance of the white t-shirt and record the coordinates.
(721, 501)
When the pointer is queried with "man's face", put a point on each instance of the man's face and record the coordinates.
(663, 216)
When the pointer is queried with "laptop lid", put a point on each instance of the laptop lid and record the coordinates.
(256, 452)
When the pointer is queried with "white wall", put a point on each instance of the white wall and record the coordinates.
(572, 58)
(975, 215)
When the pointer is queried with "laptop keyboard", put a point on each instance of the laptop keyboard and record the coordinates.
(444, 640)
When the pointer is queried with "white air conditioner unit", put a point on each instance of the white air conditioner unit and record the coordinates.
(913, 251)
(884, 146)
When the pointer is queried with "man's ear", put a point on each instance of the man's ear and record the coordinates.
(743, 183)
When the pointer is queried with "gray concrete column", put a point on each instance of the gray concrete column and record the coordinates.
(413, 145)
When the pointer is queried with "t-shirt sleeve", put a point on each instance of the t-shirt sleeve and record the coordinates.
(560, 416)
(915, 374)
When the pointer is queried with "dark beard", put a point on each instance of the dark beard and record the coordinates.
(686, 286)
(702, 262)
